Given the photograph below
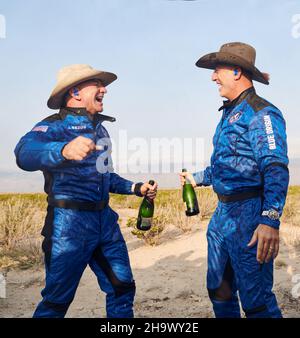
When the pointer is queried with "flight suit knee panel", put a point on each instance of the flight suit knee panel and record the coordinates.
(120, 287)
(57, 307)
(256, 312)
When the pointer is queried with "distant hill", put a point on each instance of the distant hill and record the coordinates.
(21, 181)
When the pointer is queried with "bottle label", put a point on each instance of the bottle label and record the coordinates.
(145, 222)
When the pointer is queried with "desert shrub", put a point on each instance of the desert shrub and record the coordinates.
(21, 220)
(291, 211)
(207, 200)
(151, 237)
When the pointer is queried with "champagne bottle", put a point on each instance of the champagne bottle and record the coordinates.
(190, 198)
(144, 221)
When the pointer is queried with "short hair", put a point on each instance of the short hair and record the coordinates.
(247, 74)
(65, 99)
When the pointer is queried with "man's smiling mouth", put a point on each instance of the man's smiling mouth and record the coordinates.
(99, 98)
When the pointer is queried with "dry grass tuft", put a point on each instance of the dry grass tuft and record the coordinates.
(19, 218)
(21, 221)
(22, 218)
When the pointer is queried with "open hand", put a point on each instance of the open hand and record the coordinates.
(268, 243)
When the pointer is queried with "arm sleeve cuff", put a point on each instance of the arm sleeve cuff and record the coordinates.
(137, 189)
(198, 177)
(119, 185)
(267, 221)
(203, 177)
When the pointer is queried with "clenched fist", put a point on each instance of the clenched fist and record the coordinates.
(78, 149)
(149, 190)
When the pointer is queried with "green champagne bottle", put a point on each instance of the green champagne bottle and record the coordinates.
(189, 198)
(144, 220)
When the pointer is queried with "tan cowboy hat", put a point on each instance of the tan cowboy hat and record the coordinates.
(235, 54)
(71, 76)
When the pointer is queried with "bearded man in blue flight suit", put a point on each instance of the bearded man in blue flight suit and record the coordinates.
(249, 173)
(72, 149)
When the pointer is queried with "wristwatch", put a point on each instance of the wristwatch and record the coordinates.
(272, 214)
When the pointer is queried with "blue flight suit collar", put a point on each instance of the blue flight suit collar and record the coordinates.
(231, 104)
(96, 118)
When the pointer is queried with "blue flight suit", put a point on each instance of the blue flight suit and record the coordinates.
(76, 235)
(249, 159)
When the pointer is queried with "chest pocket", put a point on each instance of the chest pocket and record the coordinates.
(73, 131)
(226, 143)
(245, 158)
(237, 135)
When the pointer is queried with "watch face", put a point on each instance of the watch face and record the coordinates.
(273, 214)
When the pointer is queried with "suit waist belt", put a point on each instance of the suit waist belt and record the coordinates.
(240, 196)
(77, 205)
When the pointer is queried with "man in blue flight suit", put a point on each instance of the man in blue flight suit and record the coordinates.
(72, 149)
(249, 173)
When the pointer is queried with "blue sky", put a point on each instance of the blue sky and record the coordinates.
(152, 45)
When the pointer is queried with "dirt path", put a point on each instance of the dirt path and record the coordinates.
(170, 280)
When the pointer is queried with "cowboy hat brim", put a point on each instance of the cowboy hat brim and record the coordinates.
(56, 98)
(210, 61)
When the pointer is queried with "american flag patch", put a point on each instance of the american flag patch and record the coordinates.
(40, 128)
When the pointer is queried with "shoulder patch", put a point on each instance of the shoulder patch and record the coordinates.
(52, 118)
(235, 117)
(40, 128)
(258, 103)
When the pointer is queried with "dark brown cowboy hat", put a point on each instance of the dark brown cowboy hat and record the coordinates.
(235, 54)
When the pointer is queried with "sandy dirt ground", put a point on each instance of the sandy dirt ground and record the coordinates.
(170, 279)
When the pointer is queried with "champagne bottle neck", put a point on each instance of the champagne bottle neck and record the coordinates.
(187, 181)
(148, 200)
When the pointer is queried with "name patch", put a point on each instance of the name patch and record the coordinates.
(270, 133)
(80, 127)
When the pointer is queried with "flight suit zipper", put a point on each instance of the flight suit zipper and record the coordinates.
(95, 124)
(220, 131)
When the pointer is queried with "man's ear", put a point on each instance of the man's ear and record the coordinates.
(74, 93)
(237, 72)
